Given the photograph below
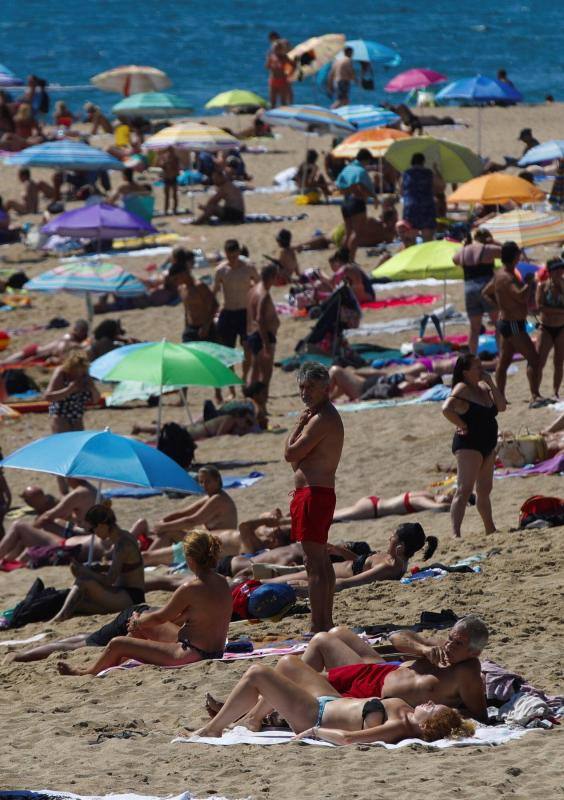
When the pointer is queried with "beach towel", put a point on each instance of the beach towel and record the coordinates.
(485, 735)
(25, 794)
(402, 300)
(36, 638)
(435, 394)
(552, 466)
(229, 482)
(405, 323)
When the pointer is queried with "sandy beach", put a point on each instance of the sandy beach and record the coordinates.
(57, 730)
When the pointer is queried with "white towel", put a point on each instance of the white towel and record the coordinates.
(36, 638)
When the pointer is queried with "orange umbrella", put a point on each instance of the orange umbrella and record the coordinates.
(496, 188)
(376, 140)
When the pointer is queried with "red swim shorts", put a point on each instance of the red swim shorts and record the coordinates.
(360, 680)
(312, 510)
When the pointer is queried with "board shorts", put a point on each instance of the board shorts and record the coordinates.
(312, 510)
(232, 323)
(361, 680)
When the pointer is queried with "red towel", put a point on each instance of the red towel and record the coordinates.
(403, 300)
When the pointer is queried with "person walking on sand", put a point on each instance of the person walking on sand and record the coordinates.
(341, 76)
(170, 165)
(263, 324)
(314, 450)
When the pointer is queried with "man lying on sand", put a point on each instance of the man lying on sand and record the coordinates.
(446, 672)
(56, 350)
(236, 423)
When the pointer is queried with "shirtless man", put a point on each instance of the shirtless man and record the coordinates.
(170, 165)
(314, 450)
(341, 76)
(57, 349)
(508, 294)
(262, 326)
(29, 203)
(227, 203)
(200, 304)
(288, 267)
(59, 523)
(234, 277)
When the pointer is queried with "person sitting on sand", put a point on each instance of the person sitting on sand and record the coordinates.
(97, 119)
(309, 178)
(29, 202)
(111, 590)
(57, 524)
(368, 568)
(56, 350)
(373, 507)
(286, 261)
(344, 269)
(314, 709)
(191, 627)
(5, 498)
(360, 384)
(236, 423)
(227, 204)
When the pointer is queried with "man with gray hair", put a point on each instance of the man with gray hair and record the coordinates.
(314, 450)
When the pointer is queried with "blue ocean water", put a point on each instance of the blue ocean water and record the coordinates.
(207, 47)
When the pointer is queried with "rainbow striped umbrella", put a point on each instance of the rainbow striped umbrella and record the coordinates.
(311, 119)
(527, 228)
(192, 136)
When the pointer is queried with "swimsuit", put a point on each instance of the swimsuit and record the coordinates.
(361, 680)
(204, 654)
(321, 703)
(230, 324)
(72, 407)
(358, 563)
(375, 500)
(407, 504)
(371, 706)
(552, 301)
(508, 328)
(482, 429)
(312, 510)
(353, 205)
(255, 342)
(553, 330)
(230, 214)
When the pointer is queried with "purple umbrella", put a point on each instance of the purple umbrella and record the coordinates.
(98, 221)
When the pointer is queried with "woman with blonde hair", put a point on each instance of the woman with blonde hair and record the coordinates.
(191, 627)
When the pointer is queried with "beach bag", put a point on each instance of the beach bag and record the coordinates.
(270, 599)
(240, 595)
(39, 605)
(177, 443)
(516, 451)
(367, 84)
(539, 507)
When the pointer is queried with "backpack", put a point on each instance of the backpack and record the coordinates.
(16, 381)
(177, 443)
(539, 507)
(39, 605)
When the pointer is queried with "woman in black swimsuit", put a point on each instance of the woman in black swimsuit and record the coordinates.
(472, 407)
(314, 709)
(105, 592)
(550, 301)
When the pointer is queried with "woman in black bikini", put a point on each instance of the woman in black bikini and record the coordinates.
(314, 709)
(472, 407)
(122, 585)
(550, 300)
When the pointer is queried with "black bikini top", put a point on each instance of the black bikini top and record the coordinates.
(371, 706)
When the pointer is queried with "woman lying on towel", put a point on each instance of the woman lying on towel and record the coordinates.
(405, 503)
(367, 383)
(315, 710)
(192, 626)
(391, 565)
(237, 423)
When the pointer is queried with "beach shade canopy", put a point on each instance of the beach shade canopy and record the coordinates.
(64, 154)
(98, 221)
(414, 79)
(88, 276)
(7, 78)
(526, 228)
(375, 140)
(102, 456)
(237, 98)
(131, 79)
(427, 260)
(152, 104)
(367, 116)
(496, 188)
(547, 151)
(192, 136)
(480, 89)
(454, 162)
(312, 119)
(311, 55)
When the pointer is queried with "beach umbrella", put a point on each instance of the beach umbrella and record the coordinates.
(547, 151)
(312, 119)
(526, 228)
(88, 277)
(237, 98)
(165, 364)
(98, 221)
(64, 154)
(375, 140)
(454, 162)
(152, 104)
(101, 367)
(414, 79)
(7, 78)
(131, 79)
(311, 55)
(374, 52)
(192, 136)
(496, 188)
(367, 116)
(479, 90)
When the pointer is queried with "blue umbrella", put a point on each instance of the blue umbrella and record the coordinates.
(7, 77)
(308, 118)
(547, 151)
(376, 53)
(64, 155)
(367, 116)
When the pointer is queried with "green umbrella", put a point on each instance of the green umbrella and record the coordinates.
(152, 104)
(237, 98)
(427, 260)
(454, 162)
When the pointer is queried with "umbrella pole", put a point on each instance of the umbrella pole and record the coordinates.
(89, 308)
(444, 308)
(184, 395)
(479, 130)
(91, 544)
(159, 413)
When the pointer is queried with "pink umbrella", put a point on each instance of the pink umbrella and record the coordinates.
(414, 79)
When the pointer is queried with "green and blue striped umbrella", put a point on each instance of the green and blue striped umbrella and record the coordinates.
(64, 154)
(367, 116)
(152, 104)
(311, 119)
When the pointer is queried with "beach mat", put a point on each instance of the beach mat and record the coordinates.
(435, 394)
(229, 482)
(369, 353)
(552, 466)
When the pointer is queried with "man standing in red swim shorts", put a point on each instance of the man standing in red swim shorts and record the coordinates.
(314, 450)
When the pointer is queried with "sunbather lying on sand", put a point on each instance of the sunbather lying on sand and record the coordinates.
(314, 709)
(407, 503)
(192, 626)
(235, 424)
(359, 384)
(55, 350)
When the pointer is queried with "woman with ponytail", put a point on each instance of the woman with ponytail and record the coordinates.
(191, 627)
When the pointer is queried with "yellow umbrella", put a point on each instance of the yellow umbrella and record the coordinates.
(375, 140)
(496, 188)
(131, 79)
(312, 54)
(192, 136)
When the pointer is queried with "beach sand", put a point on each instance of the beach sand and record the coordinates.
(52, 724)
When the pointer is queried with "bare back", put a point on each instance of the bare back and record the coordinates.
(208, 604)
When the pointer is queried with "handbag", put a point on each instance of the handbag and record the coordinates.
(517, 451)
